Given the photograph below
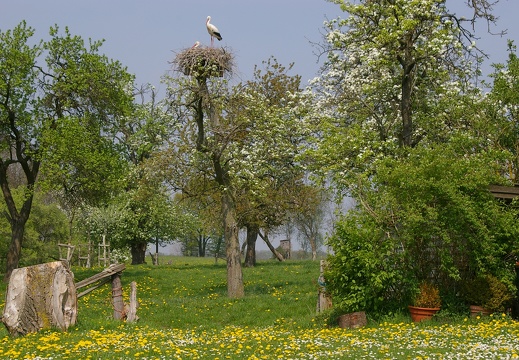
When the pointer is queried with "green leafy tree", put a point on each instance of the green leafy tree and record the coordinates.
(503, 110)
(138, 135)
(207, 227)
(137, 217)
(309, 217)
(266, 201)
(71, 81)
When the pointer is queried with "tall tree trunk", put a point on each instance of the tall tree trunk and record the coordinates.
(250, 255)
(271, 247)
(217, 248)
(15, 247)
(408, 77)
(138, 251)
(17, 219)
(313, 246)
(202, 243)
(235, 287)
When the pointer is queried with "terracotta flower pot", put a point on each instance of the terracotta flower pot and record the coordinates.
(476, 310)
(419, 314)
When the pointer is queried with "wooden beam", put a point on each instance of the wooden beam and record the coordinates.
(109, 271)
(90, 289)
(504, 192)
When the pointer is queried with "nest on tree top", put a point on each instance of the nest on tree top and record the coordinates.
(203, 62)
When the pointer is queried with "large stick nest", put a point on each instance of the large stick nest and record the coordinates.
(203, 62)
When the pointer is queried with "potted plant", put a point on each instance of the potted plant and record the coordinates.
(426, 303)
(486, 295)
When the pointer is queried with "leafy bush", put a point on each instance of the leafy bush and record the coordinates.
(487, 291)
(426, 215)
(476, 291)
(500, 295)
(362, 274)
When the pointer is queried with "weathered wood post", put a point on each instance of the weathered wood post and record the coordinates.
(131, 313)
(324, 301)
(117, 297)
(40, 297)
(105, 257)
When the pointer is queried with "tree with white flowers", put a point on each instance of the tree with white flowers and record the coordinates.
(392, 78)
(233, 140)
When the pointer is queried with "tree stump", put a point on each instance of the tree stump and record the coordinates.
(40, 297)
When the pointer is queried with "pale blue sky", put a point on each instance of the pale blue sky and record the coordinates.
(144, 35)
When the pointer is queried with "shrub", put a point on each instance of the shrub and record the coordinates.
(361, 275)
(416, 216)
(487, 291)
(428, 296)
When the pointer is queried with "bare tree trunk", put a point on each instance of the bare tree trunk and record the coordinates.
(270, 246)
(324, 301)
(154, 258)
(202, 244)
(250, 255)
(235, 288)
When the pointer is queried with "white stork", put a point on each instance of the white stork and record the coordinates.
(212, 30)
(195, 45)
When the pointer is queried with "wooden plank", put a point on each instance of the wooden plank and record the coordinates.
(504, 189)
(504, 196)
(109, 271)
(89, 290)
(504, 192)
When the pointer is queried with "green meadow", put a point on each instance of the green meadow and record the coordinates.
(184, 313)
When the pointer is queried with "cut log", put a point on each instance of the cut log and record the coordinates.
(39, 297)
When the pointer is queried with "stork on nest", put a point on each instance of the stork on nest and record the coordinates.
(205, 62)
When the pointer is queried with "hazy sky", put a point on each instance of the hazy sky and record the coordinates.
(144, 35)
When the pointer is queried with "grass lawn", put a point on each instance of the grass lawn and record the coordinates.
(185, 313)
